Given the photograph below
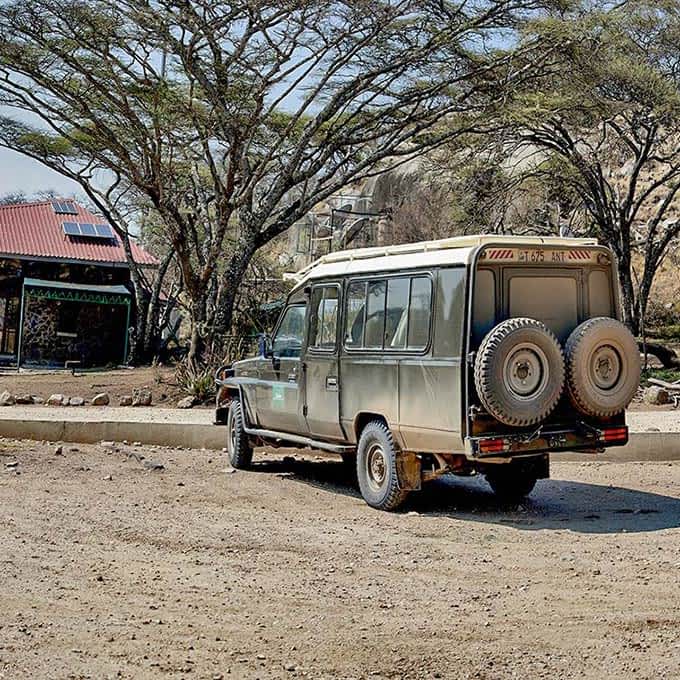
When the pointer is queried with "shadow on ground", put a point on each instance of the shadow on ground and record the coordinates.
(554, 503)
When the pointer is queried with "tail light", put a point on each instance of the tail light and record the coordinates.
(492, 445)
(615, 434)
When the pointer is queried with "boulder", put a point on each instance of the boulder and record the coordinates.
(37, 400)
(101, 399)
(125, 400)
(141, 396)
(57, 400)
(187, 402)
(656, 395)
(6, 399)
(24, 399)
(76, 401)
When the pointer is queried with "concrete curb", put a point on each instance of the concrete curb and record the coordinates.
(84, 432)
(643, 446)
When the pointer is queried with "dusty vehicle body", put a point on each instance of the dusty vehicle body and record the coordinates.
(467, 355)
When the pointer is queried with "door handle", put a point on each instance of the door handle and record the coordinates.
(331, 381)
(292, 377)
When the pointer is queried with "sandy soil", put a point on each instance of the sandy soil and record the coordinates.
(160, 380)
(111, 568)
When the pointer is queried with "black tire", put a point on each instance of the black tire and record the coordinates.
(510, 483)
(349, 460)
(377, 467)
(519, 372)
(238, 444)
(603, 367)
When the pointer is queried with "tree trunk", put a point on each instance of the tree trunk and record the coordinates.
(628, 301)
(198, 345)
(151, 338)
(232, 278)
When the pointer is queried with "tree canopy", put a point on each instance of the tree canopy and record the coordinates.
(606, 117)
(232, 120)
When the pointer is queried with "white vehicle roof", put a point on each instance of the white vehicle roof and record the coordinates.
(456, 250)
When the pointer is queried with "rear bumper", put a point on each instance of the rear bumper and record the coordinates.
(582, 437)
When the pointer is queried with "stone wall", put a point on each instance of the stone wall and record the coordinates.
(99, 333)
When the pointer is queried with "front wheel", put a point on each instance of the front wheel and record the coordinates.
(238, 445)
(377, 467)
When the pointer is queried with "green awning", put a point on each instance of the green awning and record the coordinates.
(77, 292)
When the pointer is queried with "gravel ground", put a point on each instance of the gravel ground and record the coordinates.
(113, 566)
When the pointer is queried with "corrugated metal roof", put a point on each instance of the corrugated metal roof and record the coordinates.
(64, 285)
(35, 230)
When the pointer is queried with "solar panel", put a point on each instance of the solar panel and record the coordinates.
(88, 230)
(103, 230)
(64, 208)
(71, 228)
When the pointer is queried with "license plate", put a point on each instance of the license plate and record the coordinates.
(539, 255)
(535, 256)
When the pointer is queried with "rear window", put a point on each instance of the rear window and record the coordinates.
(484, 305)
(550, 299)
(599, 294)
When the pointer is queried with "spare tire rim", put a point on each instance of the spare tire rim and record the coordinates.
(605, 367)
(376, 466)
(525, 371)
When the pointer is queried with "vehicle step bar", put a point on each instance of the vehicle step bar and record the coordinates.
(297, 439)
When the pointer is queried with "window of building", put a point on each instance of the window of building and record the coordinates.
(67, 319)
(324, 322)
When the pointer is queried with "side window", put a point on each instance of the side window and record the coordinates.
(419, 312)
(392, 313)
(396, 318)
(289, 336)
(375, 314)
(324, 321)
(356, 314)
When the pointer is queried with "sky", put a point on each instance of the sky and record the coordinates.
(21, 174)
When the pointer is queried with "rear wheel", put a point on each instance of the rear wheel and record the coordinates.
(377, 467)
(510, 483)
(238, 444)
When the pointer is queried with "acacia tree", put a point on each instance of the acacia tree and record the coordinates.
(233, 120)
(607, 120)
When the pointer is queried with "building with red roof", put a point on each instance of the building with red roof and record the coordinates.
(65, 292)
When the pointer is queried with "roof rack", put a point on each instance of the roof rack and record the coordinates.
(440, 244)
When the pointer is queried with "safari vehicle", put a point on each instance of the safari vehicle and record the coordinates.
(472, 355)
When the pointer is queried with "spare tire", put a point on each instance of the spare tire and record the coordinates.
(519, 372)
(603, 367)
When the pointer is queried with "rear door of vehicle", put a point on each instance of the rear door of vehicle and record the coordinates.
(322, 379)
(549, 294)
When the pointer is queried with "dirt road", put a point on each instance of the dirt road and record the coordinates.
(111, 568)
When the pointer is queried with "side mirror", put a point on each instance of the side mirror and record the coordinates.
(264, 345)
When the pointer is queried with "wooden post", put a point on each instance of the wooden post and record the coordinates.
(21, 325)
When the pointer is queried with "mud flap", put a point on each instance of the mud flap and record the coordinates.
(409, 471)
